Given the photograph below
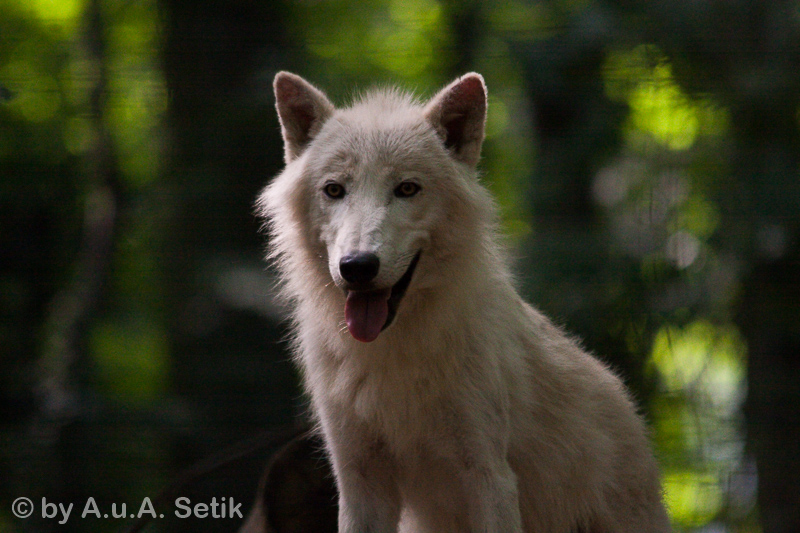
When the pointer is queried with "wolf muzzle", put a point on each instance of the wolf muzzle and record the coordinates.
(370, 311)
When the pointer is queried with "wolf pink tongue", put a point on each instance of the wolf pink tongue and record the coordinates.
(366, 313)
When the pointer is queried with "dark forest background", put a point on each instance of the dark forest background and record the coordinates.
(645, 155)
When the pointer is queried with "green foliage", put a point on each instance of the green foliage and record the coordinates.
(130, 360)
(391, 39)
(707, 360)
(694, 499)
(659, 107)
(659, 195)
(701, 371)
(137, 95)
(630, 146)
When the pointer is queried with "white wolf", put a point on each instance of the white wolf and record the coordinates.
(446, 402)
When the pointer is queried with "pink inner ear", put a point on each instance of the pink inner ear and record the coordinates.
(301, 110)
(293, 100)
(303, 118)
(460, 111)
(470, 92)
(287, 92)
(454, 128)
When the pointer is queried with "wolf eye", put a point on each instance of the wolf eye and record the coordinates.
(333, 190)
(407, 189)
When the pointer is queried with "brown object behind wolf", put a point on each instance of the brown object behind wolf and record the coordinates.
(297, 493)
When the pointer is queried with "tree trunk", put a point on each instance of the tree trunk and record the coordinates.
(767, 160)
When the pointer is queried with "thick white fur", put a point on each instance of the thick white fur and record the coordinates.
(472, 411)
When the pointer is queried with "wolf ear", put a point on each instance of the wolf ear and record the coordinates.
(302, 109)
(458, 114)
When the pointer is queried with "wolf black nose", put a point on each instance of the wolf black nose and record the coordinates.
(359, 267)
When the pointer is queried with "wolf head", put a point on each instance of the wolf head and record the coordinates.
(378, 199)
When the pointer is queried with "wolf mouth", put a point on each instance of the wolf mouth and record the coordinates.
(399, 290)
(369, 312)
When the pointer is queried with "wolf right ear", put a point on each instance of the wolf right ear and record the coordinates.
(302, 110)
(458, 114)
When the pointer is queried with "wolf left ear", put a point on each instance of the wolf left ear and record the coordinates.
(302, 110)
(458, 114)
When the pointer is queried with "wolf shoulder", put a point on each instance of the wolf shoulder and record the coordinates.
(550, 376)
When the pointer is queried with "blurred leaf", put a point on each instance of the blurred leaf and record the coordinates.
(693, 498)
(131, 358)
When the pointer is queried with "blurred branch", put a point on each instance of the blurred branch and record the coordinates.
(72, 307)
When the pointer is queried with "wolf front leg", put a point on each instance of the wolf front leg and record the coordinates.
(366, 505)
(369, 501)
(493, 500)
(478, 446)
